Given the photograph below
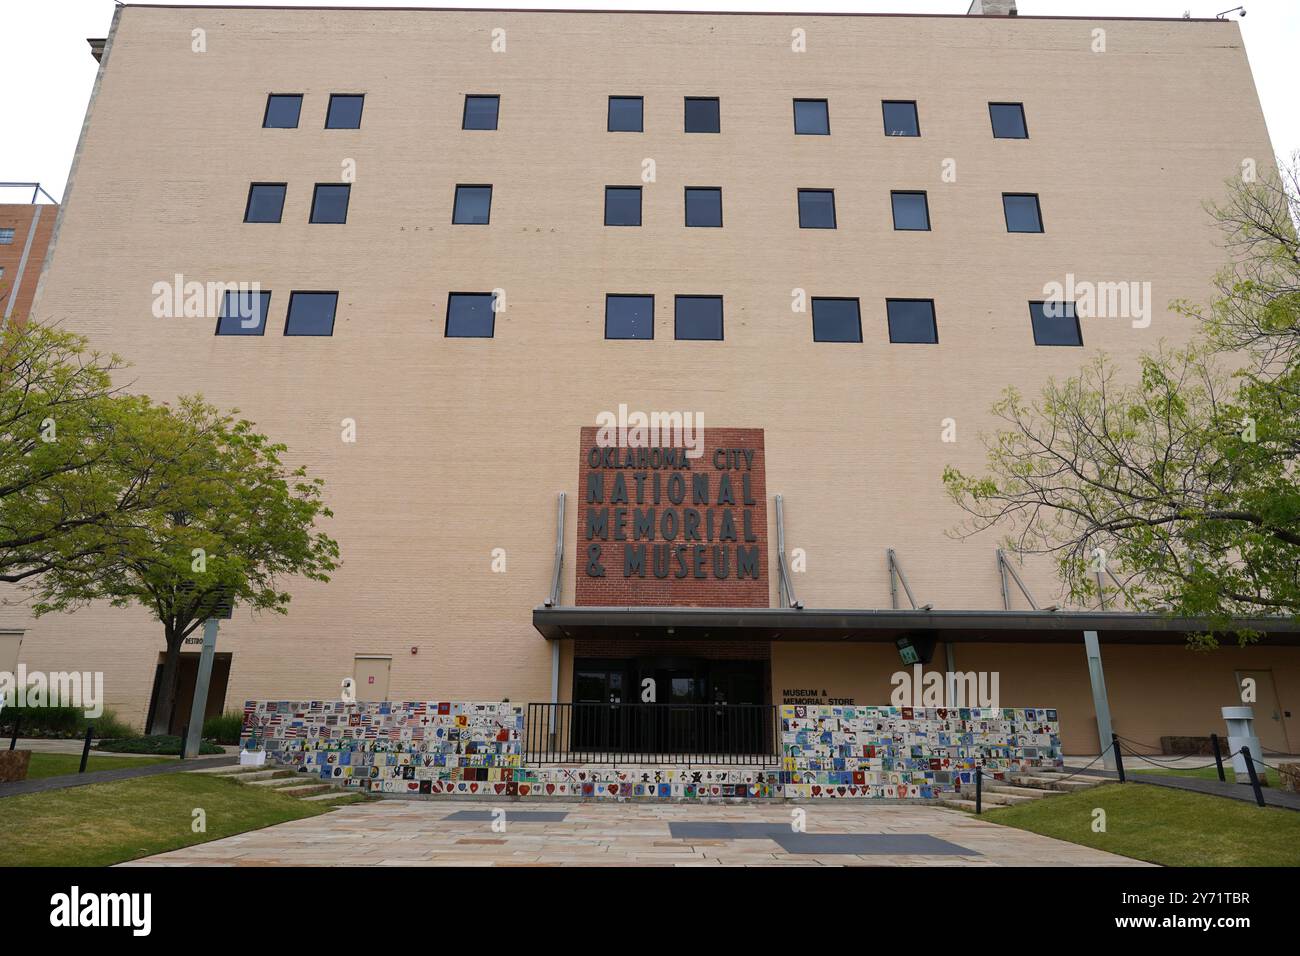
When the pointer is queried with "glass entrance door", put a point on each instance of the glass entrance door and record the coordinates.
(597, 692)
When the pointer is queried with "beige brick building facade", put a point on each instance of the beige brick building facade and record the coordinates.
(462, 444)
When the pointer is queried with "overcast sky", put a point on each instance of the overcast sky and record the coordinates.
(46, 70)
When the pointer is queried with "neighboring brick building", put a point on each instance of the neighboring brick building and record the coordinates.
(25, 231)
(942, 168)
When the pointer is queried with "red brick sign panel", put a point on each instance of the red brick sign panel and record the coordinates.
(658, 527)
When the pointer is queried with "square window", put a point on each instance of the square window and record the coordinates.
(244, 313)
(836, 320)
(622, 205)
(6, 237)
(311, 313)
(282, 111)
(330, 203)
(816, 209)
(912, 320)
(265, 202)
(625, 114)
(703, 114)
(1055, 323)
(629, 317)
(1022, 212)
(911, 211)
(812, 118)
(480, 111)
(471, 315)
(473, 206)
(344, 111)
(699, 318)
(1008, 120)
(900, 118)
(703, 206)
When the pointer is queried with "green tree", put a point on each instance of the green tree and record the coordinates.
(1176, 487)
(230, 522)
(58, 415)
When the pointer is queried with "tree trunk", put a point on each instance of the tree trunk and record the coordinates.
(162, 713)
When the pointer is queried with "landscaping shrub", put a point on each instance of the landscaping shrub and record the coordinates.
(224, 729)
(62, 723)
(161, 744)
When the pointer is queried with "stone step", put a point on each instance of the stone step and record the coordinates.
(1033, 793)
(261, 774)
(230, 770)
(306, 790)
(992, 798)
(1054, 783)
(282, 778)
(334, 794)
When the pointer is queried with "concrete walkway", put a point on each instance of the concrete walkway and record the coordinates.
(45, 784)
(420, 833)
(42, 745)
(1134, 767)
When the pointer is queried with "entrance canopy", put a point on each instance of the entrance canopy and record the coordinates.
(881, 626)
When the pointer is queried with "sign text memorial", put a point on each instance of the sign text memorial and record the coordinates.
(658, 527)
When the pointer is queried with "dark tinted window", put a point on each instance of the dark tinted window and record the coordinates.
(622, 205)
(629, 316)
(265, 202)
(703, 114)
(625, 114)
(330, 202)
(311, 313)
(470, 315)
(473, 205)
(244, 313)
(1008, 120)
(703, 206)
(344, 111)
(480, 111)
(912, 320)
(836, 320)
(282, 110)
(911, 211)
(817, 209)
(699, 317)
(1055, 323)
(900, 118)
(1022, 212)
(812, 117)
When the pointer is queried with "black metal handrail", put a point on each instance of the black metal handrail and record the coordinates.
(635, 733)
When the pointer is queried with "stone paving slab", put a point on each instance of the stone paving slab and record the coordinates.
(405, 833)
(515, 816)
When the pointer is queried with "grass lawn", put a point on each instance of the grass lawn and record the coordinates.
(1160, 825)
(107, 823)
(56, 765)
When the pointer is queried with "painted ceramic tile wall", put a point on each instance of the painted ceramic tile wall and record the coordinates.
(474, 749)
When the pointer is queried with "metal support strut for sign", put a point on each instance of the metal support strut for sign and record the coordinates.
(785, 584)
(1005, 568)
(554, 598)
(897, 577)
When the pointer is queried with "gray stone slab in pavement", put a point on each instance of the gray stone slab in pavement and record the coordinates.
(872, 844)
(869, 844)
(514, 816)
